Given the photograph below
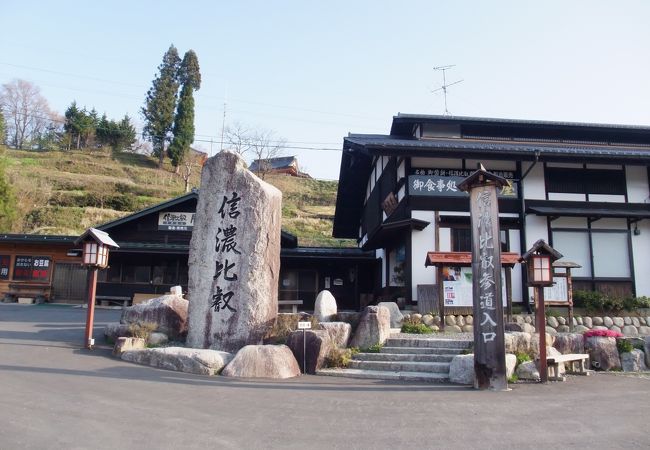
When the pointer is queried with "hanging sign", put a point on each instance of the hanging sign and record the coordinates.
(444, 182)
(176, 221)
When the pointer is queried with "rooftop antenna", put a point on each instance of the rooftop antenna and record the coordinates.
(444, 86)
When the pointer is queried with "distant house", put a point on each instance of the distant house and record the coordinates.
(285, 164)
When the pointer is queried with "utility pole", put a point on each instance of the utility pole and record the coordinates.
(444, 86)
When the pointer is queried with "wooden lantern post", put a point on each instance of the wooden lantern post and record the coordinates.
(96, 246)
(539, 260)
(489, 346)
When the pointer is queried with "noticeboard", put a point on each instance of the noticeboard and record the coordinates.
(559, 292)
(457, 286)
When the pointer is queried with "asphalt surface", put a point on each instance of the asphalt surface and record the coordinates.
(56, 395)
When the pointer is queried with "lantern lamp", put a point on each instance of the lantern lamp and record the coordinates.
(539, 260)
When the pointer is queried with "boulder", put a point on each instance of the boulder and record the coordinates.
(396, 316)
(636, 322)
(513, 326)
(157, 339)
(125, 344)
(168, 312)
(580, 329)
(460, 321)
(461, 369)
(181, 359)
(234, 258)
(528, 328)
(603, 352)
(115, 330)
(427, 319)
(599, 327)
(511, 363)
(517, 342)
(351, 317)
(454, 329)
(567, 343)
(646, 350)
(561, 320)
(608, 321)
(528, 319)
(615, 328)
(534, 343)
(550, 330)
(314, 348)
(630, 330)
(586, 321)
(325, 308)
(633, 361)
(450, 320)
(263, 361)
(619, 322)
(563, 329)
(339, 332)
(436, 328)
(417, 317)
(644, 330)
(374, 327)
(518, 319)
(436, 321)
(596, 321)
(528, 371)
(579, 320)
(467, 328)
(552, 322)
(469, 320)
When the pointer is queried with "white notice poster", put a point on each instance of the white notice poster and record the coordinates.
(457, 286)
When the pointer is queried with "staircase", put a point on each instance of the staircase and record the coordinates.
(405, 359)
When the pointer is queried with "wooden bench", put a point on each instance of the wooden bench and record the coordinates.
(572, 360)
(28, 290)
(113, 299)
(293, 303)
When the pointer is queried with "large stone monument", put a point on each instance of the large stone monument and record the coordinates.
(234, 261)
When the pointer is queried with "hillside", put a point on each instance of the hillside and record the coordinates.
(67, 192)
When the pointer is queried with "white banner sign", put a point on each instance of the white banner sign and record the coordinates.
(176, 221)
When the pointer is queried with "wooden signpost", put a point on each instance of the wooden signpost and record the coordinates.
(489, 347)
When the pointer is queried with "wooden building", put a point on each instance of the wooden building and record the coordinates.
(581, 187)
(153, 256)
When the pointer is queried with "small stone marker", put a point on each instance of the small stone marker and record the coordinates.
(234, 260)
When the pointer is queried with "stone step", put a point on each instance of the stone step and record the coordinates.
(401, 366)
(428, 343)
(418, 357)
(423, 350)
(427, 377)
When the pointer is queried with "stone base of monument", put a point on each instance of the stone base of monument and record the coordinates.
(181, 359)
(263, 361)
(461, 369)
(168, 312)
(125, 344)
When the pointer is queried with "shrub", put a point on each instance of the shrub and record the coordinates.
(374, 348)
(624, 346)
(522, 357)
(340, 357)
(420, 328)
(602, 333)
(411, 320)
(142, 329)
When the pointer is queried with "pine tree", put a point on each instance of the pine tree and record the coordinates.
(160, 103)
(190, 77)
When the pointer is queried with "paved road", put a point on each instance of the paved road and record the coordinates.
(53, 394)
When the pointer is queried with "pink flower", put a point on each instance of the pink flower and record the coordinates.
(602, 333)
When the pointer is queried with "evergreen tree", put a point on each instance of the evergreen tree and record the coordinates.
(190, 77)
(160, 103)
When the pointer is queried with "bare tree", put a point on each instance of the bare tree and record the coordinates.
(265, 145)
(26, 110)
(237, 138)
(194, 160)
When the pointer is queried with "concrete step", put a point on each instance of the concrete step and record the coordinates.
(403, 357)
(427, 377)
(422, 350)
(428, 343)
(401, 366)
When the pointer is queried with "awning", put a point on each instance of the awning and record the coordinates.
(613, 211)
(388, 230)
(464, 259)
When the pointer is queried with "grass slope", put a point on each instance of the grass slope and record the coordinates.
(67, 192)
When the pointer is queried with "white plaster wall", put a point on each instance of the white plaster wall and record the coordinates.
(472, 164)
(535, 229)
(436, 163)
(637, 184)
(610, 224)
(380, 253)
(569, 222)
(515, 246)
(534, 188)
(401, 194)
(567, 197)
(445, 239)
(641, 256)
(422, 242)
(607, 198)
(401, 170)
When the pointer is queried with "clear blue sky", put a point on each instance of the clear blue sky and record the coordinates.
(315, 71)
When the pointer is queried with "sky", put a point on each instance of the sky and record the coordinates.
(312, 72)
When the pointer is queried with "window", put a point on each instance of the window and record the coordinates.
(461, 240)
(298, 285)
(585, 181)
(608, 249)
(396, 266)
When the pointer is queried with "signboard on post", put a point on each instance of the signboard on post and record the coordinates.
(304, 325)
(489, 346)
